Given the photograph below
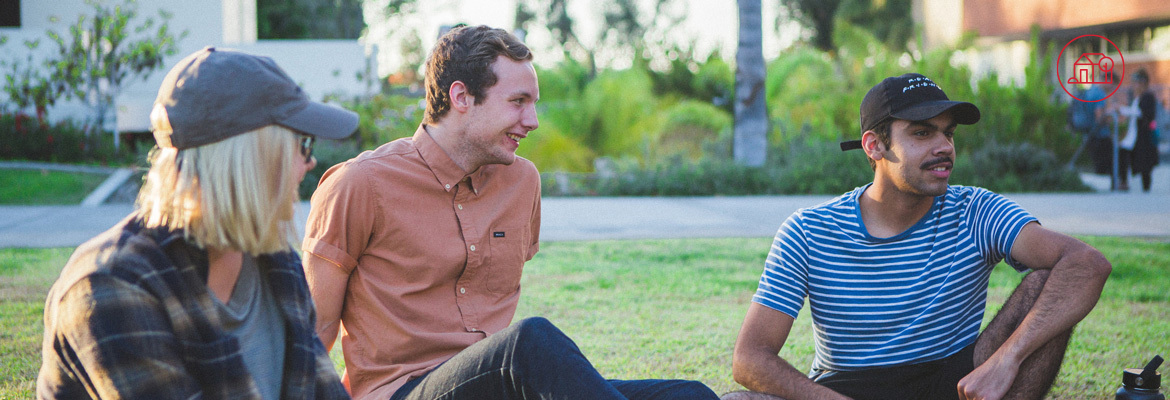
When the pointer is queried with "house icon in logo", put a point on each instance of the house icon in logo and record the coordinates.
(1090, 66)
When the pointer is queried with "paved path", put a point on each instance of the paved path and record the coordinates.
(595, 218)
(1121, 214)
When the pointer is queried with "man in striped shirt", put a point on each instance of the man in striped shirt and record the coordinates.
(896, 274)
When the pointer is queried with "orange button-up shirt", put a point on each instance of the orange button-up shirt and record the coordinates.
(433, 253)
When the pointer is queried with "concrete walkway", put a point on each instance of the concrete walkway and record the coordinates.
(594, 218)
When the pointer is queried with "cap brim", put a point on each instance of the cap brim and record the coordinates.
(964, 113)
(325, 121)
(850, 145)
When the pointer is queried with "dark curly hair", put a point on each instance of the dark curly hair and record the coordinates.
(466, 54)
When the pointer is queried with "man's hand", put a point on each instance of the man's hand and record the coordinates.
(989, 381)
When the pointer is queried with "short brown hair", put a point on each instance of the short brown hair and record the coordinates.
(466, 54)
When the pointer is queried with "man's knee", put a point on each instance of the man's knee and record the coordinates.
(536, 327)
(538, 336)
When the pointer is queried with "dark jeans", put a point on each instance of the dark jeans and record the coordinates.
(532, 359)
(930, 380)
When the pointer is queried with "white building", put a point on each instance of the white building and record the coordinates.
(321, 67)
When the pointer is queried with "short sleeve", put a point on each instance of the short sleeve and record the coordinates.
(784, 283)
(341, 217)
(995, 222)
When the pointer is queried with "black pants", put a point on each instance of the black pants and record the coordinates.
(930, 380)
(532, 359)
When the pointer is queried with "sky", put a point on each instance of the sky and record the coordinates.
(710, 24)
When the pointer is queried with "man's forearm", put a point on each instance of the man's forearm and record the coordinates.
(770, 374)
(1070, 293)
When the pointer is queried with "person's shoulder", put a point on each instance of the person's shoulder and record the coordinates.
(833, 208)
(973, 196)
(384, 159)
(387, 154)
(964, 192)
(125, 253)
(828, 214)
(525, 168)
(520, 170)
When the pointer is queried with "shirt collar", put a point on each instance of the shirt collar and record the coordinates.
(440, 163)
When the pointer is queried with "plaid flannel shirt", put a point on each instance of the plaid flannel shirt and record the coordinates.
(131, 317)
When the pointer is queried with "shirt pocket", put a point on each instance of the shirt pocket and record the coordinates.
(507, 260)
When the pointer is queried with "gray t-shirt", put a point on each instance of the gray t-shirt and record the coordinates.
(252, 316)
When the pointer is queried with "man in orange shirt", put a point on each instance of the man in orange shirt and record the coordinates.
(413, 251)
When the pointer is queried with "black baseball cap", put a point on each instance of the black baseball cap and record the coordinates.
(214, 94)
(911, 97)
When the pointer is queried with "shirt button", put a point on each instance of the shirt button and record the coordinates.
(462, 290)
(473, 247)
(448, 186)
(459, 206)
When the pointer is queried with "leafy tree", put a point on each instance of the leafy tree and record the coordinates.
(751, 113)
(627, 31)
(28, 83)
(816, 15)
(310, 19)
(524, 15)
(889, 20)
(102, 52)
(560, 25)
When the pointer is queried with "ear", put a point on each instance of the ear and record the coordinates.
(872, 145)
(461, 99)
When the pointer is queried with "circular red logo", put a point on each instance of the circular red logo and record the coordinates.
(1091, 69)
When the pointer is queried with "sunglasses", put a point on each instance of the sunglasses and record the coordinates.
(307, 147)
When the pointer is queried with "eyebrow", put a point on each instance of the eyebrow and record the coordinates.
(927, 124)
(523, 94)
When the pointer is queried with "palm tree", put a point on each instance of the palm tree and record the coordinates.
(751, 113)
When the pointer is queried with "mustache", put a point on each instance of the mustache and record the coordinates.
(934, 161)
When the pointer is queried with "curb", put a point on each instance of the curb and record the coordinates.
(107, 188)
(88, 169)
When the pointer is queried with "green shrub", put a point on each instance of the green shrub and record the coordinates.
(692, 128)
(383, 118)
(1018, 167)
(559, 143)
(552, 150)
(328, 154)
(24, 138)
(621, 111)
(677, 176)
(809, 166)
(816, 94)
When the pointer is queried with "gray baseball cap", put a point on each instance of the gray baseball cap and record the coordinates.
(214, 94)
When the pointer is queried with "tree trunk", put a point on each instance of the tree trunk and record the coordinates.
(751, 113)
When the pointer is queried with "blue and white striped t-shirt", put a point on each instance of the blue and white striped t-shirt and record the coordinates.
(915, 297)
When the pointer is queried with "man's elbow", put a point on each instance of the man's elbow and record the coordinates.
(742, 370)
(1097, 267)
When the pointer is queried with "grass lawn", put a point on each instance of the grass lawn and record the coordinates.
(51, 187)
(672, 309)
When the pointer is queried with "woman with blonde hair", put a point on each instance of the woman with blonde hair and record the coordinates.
(199, 293)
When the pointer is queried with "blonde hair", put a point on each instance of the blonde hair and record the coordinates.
(236, 193)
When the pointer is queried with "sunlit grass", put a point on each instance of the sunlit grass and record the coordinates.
(672, 309)
(18, 186)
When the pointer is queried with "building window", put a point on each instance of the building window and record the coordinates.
(9, 13)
